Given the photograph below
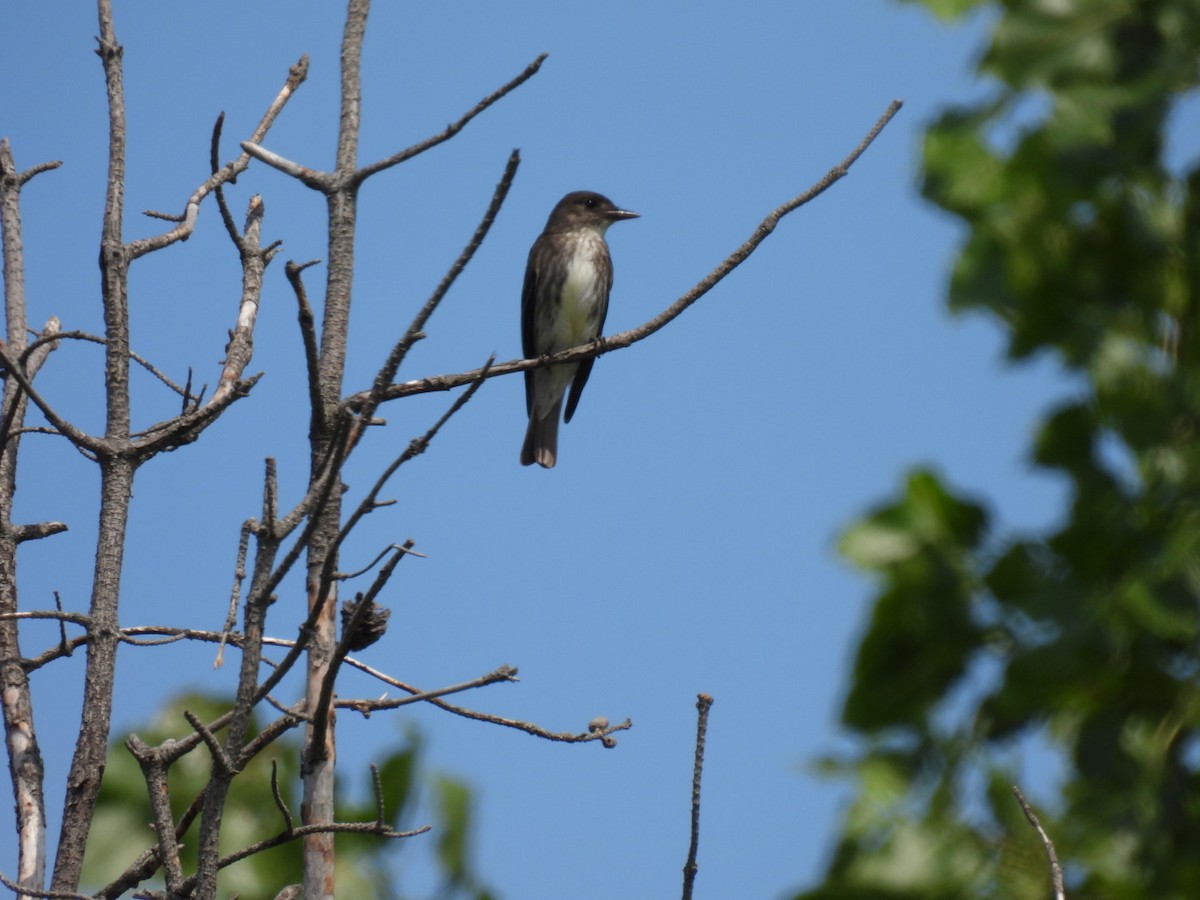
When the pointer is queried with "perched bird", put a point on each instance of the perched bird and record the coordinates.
(563, 305)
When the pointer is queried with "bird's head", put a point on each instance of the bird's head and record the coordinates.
(586, 210)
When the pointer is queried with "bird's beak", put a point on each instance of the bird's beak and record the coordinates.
(618, 214)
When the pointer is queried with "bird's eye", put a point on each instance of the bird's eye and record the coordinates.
(590, 203)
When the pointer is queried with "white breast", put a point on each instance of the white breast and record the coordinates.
(581, 302)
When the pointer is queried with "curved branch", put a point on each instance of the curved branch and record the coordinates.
(186, 428)
(308, 330)
(80, 439)
(187, 224)
(53, 336)
(632, 336)
(452, 129)
(387, 372)
(1056, 872)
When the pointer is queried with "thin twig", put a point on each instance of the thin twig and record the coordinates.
(81, 440)
(229, 172)
(592, 734)
(154, 771)
(53, 336)
(387, 372)
(703, 704)
(454, 128)
(1056, 873)
(241, 337)
(239, 578)
(38, 170)
(295, 647)
(288, 822)
(32, 358)
(302, 830)
(377, 783)
(633, 335)
(407, 547)
(24, 892)
(366, 707)
(310, 177)
(319, 715)
(214, 162)
(210, 741)
(181, 430)
(308, 328)
(415, 448)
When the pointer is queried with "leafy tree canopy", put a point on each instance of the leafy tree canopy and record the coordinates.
(1083, 244)
(120, 833)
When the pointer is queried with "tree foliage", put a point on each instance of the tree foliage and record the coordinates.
(1081, 643)
(405, 787)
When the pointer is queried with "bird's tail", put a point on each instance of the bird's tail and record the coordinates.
(541, 438)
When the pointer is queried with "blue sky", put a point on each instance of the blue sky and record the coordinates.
(685, 542)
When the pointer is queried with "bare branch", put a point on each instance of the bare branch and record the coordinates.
(240, 349)
(52, 336)
(36, 170)
(24, 892)
(377, 784)
(703, 704)
(148, 861)
(229, 172)
(116, 486)
(232, 757)
(220, 759)
(79, 438)
(454, 128)
(184, 429)
(285, 837)
(407, 547)
(288, 822)
(26, 768)
(1056, 873)
(387, 372)
(632, 336)
(311, 177)
(154, 770)
(319, 714)
(366, 707)
(54, 615)
(38, 531)
(308, 329)
(415, 448)
(117, 456)
(600, 733)
(32, 359)
(214, 163)
(235, 593)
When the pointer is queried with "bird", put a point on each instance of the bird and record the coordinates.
(563, 304)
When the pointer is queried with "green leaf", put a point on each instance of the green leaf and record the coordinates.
(949, 9)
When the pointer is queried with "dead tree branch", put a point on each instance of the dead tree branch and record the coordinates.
(117, 454)
(1056, 873)
(26, 771)
(703, 704)
(632, 336)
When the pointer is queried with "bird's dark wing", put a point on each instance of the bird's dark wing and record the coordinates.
(528, 314)
(581, 377)
(604, 265)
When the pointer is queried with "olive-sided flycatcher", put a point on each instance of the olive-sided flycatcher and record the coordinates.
(563, 305)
